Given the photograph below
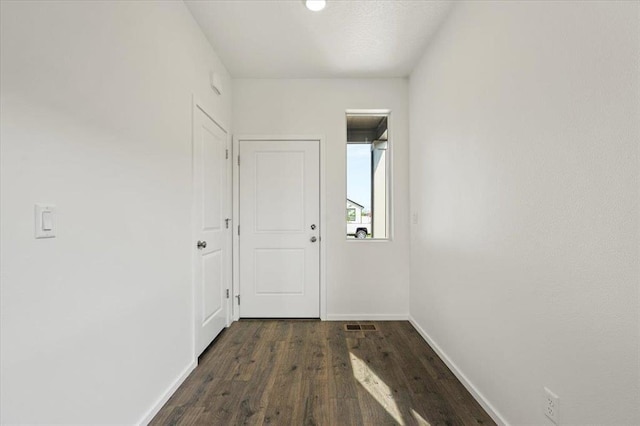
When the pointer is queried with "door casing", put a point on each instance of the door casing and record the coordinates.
(237, 139)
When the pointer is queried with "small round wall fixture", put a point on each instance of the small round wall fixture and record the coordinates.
(315, 5)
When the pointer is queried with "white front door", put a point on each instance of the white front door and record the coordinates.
(212, 238)
(279, 229)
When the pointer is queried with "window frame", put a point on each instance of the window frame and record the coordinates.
(388, 177)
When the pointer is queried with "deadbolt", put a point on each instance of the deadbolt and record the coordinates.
(314, 239)
(313, 227)
(201, 245)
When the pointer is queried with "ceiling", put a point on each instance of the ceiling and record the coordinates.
(282, 39)
(366, 128)
(365, 122)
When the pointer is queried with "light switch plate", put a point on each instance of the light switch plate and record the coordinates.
(45, 221)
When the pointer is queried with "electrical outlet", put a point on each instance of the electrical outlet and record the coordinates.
(551, 405)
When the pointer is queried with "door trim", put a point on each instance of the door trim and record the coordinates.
(236, 214)
(198, 104)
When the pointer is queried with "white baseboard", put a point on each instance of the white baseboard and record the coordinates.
(367, 317)
(490, 409)
(167, 394)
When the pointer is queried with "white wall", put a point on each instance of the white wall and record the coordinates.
(96, 119)
(524, 176)
(365, 279)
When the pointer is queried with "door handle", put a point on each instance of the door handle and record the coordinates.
(201, 245)
(314, 239)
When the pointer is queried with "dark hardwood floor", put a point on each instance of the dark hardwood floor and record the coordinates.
(316, 373)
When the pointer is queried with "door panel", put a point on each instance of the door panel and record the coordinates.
(213, 185)
(212, 202)
(279, 206)
(212, 274)
(270, 196)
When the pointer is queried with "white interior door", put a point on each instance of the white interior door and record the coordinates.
(212, 236)
(279, 229)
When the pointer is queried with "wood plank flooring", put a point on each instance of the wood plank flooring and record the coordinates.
(281, 372)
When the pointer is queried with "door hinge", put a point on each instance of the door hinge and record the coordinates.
(238, 160)
(238, 296)
(227, 293)
(226, 223)
(238, 230)
(226, 154)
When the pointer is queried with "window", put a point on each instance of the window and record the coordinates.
(351, 215)
(367, 201)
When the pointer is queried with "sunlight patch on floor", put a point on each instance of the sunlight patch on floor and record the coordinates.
(421, 421)
(376, 387)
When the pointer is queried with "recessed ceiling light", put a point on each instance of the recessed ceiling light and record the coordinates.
(315, 5)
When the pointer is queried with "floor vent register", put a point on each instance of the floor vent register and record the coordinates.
(360, 327)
